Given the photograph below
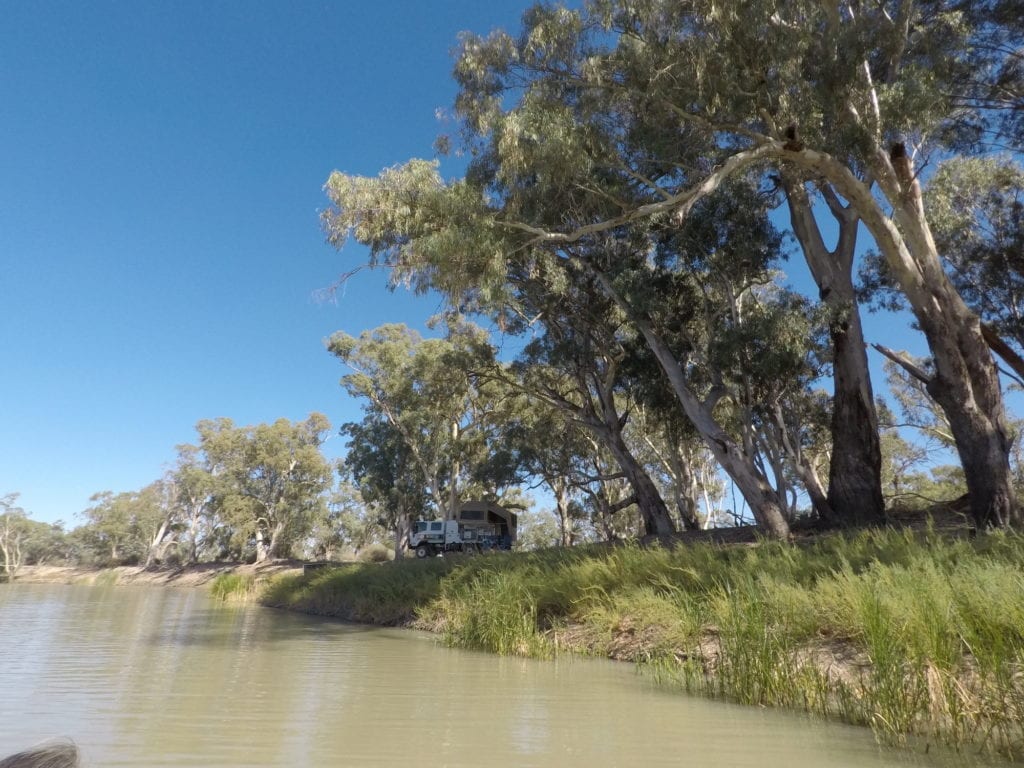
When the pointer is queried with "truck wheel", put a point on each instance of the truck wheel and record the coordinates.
(423, 550)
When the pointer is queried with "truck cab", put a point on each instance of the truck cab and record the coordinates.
(430, 537)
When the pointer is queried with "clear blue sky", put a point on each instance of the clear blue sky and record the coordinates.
(161, 172)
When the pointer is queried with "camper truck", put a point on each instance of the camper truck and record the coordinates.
(477, 526)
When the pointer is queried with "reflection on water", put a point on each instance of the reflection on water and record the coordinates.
(163, 677)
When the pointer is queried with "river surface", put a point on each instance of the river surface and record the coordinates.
(141, 676)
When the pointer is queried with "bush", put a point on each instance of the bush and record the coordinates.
(375, 553)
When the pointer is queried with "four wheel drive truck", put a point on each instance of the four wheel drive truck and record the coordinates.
(435, 537)
(432, 537)
(477, 526)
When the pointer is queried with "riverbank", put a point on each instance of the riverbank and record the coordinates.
(915, 634)
(200, 575)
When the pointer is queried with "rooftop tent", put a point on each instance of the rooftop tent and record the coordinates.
(488, 514)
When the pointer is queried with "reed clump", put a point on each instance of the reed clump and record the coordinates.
(911, 633)
(234, 587)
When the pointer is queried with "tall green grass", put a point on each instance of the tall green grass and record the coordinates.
(233, 587)
(912, 634)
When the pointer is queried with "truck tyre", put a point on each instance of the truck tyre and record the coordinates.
(423, 550)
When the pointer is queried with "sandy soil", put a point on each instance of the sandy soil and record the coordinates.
(192, 576)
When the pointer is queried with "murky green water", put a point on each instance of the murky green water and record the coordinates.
(162, 677)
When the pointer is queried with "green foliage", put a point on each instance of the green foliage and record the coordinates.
(976, 207)
(347, 526)
(431, 423)
(538, 530)
(270, 479)
(46, 543)
(119, 527)
(629, 152)
(13, 524)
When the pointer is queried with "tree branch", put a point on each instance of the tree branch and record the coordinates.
(678, 204)
(914, 370)
(1001, 348)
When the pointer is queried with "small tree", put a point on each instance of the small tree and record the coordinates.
(12, 533)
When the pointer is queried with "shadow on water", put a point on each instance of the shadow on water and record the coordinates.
(213, 627)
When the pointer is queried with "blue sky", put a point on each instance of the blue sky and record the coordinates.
(161, 172)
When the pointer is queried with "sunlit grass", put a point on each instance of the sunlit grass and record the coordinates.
(908, 633)
(233, 587)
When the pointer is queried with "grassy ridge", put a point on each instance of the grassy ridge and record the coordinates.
(910, 634)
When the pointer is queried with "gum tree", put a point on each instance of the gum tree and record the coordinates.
(270, 479)
(429, 393)
(592, 123)
(12, 533)
(387, 474)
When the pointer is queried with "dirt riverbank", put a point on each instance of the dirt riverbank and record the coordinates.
(193, 576)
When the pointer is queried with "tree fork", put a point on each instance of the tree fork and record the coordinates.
(855, 472)
(966, 382)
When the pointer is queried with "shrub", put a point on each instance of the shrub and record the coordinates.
(375, 553)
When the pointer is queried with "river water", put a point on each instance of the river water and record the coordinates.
(141, 676)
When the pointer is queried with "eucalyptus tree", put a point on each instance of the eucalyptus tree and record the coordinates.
(902, 461)
(270, 478)
(607, 496)
(538, 530)
(554, 446)
(915, 410)
(157, 518)
(12, 533)
(430, 392)
(192, 485)
(993, 85)
(576, 366)
(387, 473)
(842, 95)
(135, 525)
(435, 394)
(426, 230)
(769, 339)
(634, 111)
(45, 543)
(977, 206)
(854, 480)
(347, 523)
(112, 523)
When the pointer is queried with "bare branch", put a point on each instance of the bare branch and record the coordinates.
(678, 204)
(1001, 348)
(914, 370)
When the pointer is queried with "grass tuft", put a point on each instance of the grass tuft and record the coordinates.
(233, 587)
